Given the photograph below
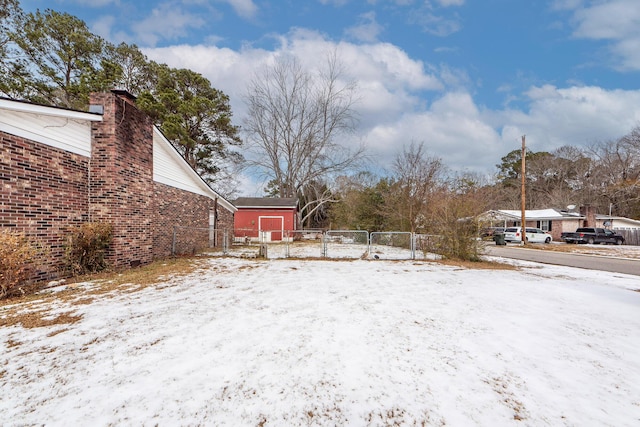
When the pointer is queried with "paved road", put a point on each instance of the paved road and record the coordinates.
(592, 262)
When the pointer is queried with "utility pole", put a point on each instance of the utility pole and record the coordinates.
(523, 219)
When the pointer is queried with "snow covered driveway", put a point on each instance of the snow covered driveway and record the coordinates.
(291, 342)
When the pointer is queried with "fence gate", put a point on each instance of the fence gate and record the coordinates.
(392, 245)
(346, 244)
(304, 243)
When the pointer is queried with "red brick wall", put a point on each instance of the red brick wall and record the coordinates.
(190, 214)
(43, 193)
(121, 178)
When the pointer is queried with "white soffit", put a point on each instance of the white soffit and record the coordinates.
(59, 128)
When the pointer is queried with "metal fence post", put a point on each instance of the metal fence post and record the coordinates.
(413, 245)
(173, 244)
(225, 242)
(324, 245)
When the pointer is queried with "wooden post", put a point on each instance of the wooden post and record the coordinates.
(523, 219)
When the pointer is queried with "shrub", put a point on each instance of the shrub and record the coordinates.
(87, 246)
(17, 255)
(453, 220)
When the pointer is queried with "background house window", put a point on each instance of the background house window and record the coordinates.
(544, 225)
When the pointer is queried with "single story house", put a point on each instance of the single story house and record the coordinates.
(557, 221)
(60, 168)
(271, 216)
(617, 222)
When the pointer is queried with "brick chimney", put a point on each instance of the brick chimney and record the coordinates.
(121, 176)
(589, 214)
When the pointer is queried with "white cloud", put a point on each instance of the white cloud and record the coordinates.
(617, 21)
(244, 8)
(103, 26)
(367, 29)
(382, 69)
(452, 129)
(575, 115)
(448, 3)
(166, 22)
(566, 4)
(436, 25)
(334, 2)
(97, 3)
(393, 110)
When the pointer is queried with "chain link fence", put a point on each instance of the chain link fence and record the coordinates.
(309, 243)
(391, 245)
(316, 243)
(351, 244)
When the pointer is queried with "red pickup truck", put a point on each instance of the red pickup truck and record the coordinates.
(593, 235)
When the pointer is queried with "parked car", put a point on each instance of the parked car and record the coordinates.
(534, 235)
(593, 235)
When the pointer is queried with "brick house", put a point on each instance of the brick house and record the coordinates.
(557, 221)
(60, 168)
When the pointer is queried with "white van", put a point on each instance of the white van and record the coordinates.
(534, 235)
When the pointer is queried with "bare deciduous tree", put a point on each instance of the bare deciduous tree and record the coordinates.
(616, 175)
(293, 123)
(452, 217)
(417, 177)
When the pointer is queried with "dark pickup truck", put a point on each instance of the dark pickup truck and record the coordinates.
(593, 235)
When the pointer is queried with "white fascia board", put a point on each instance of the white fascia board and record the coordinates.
(26, 107)
(268, 207)
(540, 215)
(195, 180)
(619, 218)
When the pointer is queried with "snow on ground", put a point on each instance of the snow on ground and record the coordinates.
(243, 342)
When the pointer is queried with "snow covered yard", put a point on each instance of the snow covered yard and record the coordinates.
(292, 342)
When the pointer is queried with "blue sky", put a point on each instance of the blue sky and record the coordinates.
(466, 77)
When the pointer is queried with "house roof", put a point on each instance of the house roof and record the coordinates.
(550, 215)
(266, 202)
(47, 110)
(34, 122)
(618, 219)
(534, 214)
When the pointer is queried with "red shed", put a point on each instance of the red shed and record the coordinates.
(273, 216)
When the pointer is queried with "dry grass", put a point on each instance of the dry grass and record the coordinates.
(35, 310)
(477, 265)
(556, 248)
(604, 250)
(145, 275)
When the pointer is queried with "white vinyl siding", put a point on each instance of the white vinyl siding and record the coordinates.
(70, 130)
(169, 168)
(65, 133)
